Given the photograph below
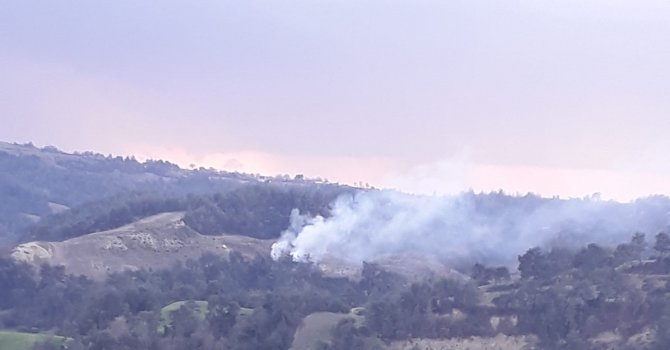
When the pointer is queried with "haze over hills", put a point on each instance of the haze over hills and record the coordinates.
(99, 249)
(517, 152)
(53, 196)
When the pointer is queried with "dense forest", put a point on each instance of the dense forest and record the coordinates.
(563, 298)
(260, 211)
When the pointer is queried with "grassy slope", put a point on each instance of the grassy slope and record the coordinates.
(318, 326)
(201, 312)
(166, 312)
(10, 340)
(499, 342)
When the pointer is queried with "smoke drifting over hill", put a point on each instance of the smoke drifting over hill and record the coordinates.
(492, 228)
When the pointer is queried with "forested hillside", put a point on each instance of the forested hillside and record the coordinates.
(595, 297)
(50, 195)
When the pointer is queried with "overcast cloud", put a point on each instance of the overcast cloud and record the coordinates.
(562, 92)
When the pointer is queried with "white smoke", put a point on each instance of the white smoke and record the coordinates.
(492, 228)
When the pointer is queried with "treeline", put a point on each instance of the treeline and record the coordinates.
(566, 299)
(255, 304)
(260, 211)
(28, 183)
(102, 215)
(124, 311)
(33, 181)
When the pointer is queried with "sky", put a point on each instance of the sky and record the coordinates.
(564, 98)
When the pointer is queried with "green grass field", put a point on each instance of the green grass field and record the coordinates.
(317, 327)
(166, 312)
(10, 340)
(200, 308)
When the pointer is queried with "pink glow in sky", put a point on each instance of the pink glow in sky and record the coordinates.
(555, 97)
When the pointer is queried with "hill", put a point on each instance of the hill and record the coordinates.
(36, 183)
(594, 297)
(154, 242)
(117, 254)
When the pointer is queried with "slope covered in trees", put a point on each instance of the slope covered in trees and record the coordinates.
(254, 210)
(47, 194)
(595, 297)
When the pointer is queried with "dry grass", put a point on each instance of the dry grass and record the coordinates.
(154, 242)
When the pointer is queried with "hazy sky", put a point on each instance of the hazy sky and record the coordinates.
(562, 97)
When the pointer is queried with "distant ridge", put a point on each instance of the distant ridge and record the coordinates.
(37, 182)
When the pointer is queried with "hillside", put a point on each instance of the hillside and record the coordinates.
(150, 256)
(594, 297)
(151, 243)
(36, 183)
(160, 240)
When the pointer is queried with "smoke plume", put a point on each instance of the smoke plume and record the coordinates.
(490, 228)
